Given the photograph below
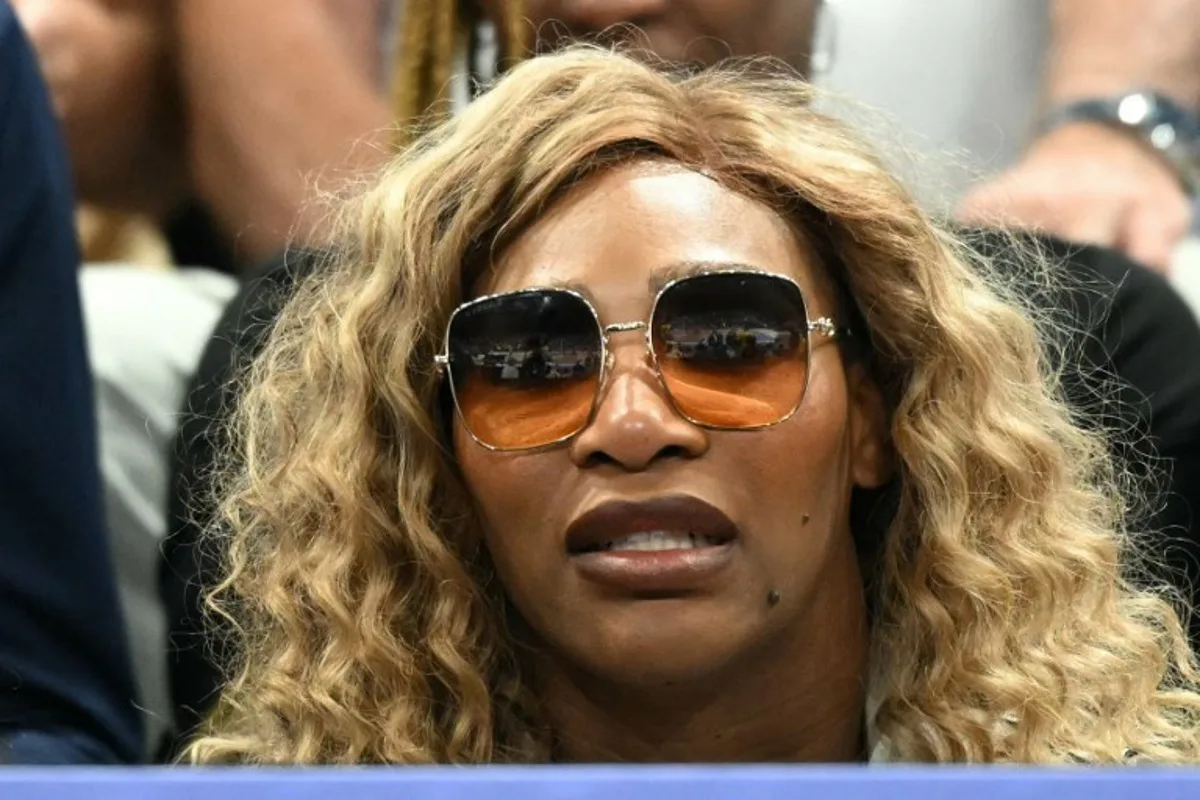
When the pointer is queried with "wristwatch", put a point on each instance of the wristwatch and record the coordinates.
(1153, 118)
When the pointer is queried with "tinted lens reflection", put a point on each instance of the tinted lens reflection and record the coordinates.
(525, 367)
(733, 348)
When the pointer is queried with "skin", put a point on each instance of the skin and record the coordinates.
(253, 145)
(1088, 182)
(684, 31)
(719, 674)
(258, 147)
(126, 74)
(110, 72)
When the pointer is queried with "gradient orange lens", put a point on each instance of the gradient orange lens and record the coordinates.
(525, 367)
(733, 348)
(510, 418)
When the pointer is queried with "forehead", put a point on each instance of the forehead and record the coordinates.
(617, 233)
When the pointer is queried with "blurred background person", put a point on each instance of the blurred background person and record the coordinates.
(981, 79)
(1028, 95)
(1001, 83)
(66, 686)
(159, 167)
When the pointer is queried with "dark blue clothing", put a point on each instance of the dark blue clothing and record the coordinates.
(66, 684)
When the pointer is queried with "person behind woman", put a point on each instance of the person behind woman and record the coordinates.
(66, 682)
(645, 417)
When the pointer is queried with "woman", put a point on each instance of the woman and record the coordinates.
(647, 419)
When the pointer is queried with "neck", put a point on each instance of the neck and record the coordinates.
(802, 702)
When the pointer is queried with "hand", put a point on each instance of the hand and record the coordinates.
(109, 68)
(1089, 183)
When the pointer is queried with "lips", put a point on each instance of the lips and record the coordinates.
(654, 549)
(661, 524)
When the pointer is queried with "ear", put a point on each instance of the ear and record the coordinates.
(871, 456)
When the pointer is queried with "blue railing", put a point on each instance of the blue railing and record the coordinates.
(602, 783)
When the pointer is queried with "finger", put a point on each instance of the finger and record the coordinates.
(1153, 231)
(991, 205)
(1022, 200)
(1087, 217)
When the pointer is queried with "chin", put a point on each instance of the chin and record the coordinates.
(659, 643)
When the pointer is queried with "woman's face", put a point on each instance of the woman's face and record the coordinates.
(776, 499)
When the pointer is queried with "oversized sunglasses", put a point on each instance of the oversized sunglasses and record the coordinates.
(731, 349)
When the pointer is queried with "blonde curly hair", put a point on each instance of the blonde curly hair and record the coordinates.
(370, 626)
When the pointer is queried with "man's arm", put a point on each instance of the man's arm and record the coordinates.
(1102, 47)
(278, 90)
(109, 65)
(66, 686)
(1089, 182)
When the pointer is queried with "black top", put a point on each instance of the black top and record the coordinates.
(1130, 324)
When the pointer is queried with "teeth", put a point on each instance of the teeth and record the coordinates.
(660, 540)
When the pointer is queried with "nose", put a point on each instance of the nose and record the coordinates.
(596, 15)
(635, 424)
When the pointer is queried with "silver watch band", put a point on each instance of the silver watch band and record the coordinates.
(1154, 119)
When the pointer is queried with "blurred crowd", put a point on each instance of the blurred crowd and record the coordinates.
(165, 166)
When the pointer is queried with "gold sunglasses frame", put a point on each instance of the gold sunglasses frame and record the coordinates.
(823, 326)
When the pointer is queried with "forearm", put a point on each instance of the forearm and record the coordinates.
(1103, 47)
(110, 67)
(136, 98)
(275, 96)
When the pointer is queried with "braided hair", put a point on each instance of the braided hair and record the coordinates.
(429, 36)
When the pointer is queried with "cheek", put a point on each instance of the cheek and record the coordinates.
(492, 478)
(812, 442)
(798, 469)
(511, 493)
